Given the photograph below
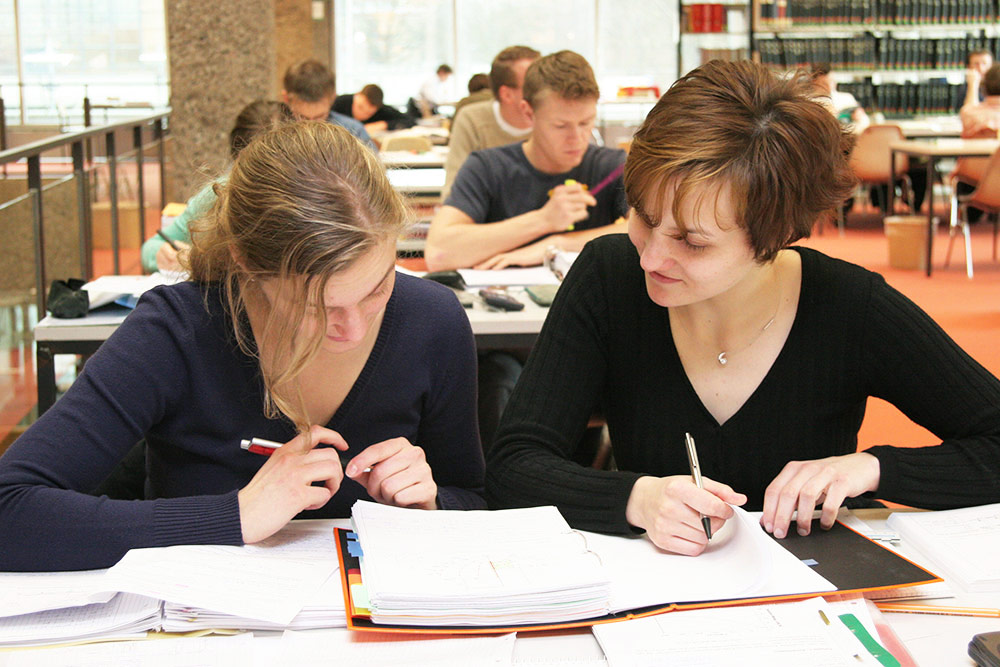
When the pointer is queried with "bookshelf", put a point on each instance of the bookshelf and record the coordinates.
(710, 30)
(902, 58)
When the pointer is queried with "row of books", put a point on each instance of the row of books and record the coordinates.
(704, 17)
(866, 52)
(908, 98)
(783, 13)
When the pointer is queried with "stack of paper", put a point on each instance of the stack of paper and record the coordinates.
(122, 617)
(126, 290)
(963, 543)
(476, 568)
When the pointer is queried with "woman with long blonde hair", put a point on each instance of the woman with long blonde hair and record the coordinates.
(294, 328)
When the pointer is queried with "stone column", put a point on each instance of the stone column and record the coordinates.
(222, 56)
(293, 25)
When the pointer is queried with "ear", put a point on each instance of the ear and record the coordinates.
(285, 96)
(526, 109)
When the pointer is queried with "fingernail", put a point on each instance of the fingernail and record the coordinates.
(351, 470)
(768, 527)
(803, 532)
(779, 533)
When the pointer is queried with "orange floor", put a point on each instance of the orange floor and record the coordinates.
(969, 310)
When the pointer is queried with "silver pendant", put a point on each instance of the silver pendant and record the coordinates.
(722, 359)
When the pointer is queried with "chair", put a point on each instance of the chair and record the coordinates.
(968, 171)
(986, 197)
(406, 142)
(870, 160)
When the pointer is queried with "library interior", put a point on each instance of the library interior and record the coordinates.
(235, 373)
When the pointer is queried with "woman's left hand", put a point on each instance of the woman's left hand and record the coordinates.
(400, 474)
(802, 485)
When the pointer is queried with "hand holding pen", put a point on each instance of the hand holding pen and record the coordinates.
(673, 510)
(283, 486)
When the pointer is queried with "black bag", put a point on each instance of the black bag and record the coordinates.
(67, 299)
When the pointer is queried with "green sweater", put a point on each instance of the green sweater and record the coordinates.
(177, 230)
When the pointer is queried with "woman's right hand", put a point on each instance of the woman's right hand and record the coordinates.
(283, 486)
(168, 259)
(669, 509)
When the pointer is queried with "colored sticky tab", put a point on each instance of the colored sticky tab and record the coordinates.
(810, 562)
(354, 548)
(878, 651)
(359, 599)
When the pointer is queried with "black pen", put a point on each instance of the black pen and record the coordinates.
(169, 240)
(696, 474)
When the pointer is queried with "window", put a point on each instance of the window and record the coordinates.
(114, 52)
(399, 43)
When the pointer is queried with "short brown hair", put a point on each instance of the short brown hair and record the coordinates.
(479, 82)
(783, 154)
(991, 80)
(565, 73)
(373, 94)
(502, 71)
(256, 117)
(977, 52)
(310, 81)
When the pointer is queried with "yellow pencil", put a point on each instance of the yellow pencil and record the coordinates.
(928, 609)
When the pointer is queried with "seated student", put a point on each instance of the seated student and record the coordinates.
(479, 91)
(157, 254)
(842, 105)
(367, 107)
(310, 89)
(522, 190)
(496, 122)
(295, 328)
(704, 320)
(977, 62)
(434, 91)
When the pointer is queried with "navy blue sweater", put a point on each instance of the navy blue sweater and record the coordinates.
(173, 374)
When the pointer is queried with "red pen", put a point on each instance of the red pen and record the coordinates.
(260, 446)
(267, 447)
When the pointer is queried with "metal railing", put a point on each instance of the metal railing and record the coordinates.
(77, 142)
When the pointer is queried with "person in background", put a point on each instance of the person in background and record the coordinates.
(367, 107)
(490, 123)
(843, 105)
(479, 91)
(434, 91)
(310, 89)
(979, 119)
(704, 319)
(295, 328)
(159, 255)
(509, 204)
(976, 65)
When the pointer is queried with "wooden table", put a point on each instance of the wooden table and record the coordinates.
(934, 150)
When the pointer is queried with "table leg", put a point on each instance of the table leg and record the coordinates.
(45, 373)
(890, 192)
(930, 213)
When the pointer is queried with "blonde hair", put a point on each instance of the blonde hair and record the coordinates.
(304, 200)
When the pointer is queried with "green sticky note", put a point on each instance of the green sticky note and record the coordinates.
(878, 651)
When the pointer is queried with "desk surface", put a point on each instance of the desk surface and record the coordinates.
(417, 181)
(947, 147)
(433, 158)
(945, 126)
(99, 325)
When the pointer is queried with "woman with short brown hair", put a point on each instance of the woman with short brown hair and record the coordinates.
(704, 320)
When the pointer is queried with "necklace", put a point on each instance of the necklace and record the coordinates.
(723, 359)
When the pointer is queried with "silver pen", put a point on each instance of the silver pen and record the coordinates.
(696, 474)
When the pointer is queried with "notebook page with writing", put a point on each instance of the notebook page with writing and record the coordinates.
(28, 592)
(741, 561)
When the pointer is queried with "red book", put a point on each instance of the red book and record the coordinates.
(717, 22)
(697, 18)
